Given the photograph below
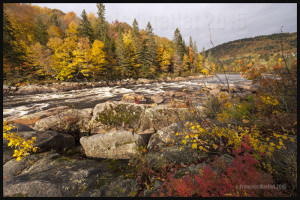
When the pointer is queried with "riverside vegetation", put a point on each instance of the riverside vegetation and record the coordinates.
(154, 149)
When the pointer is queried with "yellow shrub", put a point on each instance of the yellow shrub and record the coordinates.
(22, 145)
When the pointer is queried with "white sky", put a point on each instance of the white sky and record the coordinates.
(228, 21)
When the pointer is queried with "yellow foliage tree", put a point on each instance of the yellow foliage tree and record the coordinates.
(98, 59)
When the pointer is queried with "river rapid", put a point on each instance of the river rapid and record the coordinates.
(19, 105)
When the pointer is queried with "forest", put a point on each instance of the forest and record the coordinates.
(50, 45)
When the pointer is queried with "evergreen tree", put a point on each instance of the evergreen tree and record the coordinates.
(100, 27)
(41, 34)
(203, 53)
(135, 27)
(85, 29)
(137, 41)
(54, 20)
(191, 42)
(151, 52)
(195, 50)
(101, 33)
(120, 52)
(178, 52)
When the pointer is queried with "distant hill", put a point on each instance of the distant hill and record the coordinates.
(261, 45)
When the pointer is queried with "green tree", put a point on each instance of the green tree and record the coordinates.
(137, 42)
(150, 58)
(85, 29)
(179, 52)
(41, 34)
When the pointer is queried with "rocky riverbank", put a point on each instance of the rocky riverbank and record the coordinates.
(67, 86)
(87, 152)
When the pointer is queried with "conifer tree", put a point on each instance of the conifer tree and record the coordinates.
(195, 50)
(151, 52)
(179, 52)
(41, 34)
(85, 29)
(137, 41)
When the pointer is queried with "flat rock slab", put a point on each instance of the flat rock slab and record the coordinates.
(31, 119)
(54, 176)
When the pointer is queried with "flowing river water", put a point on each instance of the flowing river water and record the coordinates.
(87, 98)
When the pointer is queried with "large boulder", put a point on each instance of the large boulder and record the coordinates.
(133, 97)
(113, 145)
(115, 114)
(70, 121)
(162, 116)
(157, 99)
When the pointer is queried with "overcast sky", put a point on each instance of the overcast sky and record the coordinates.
(227, 22)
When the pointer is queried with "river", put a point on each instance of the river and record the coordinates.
(87, 98)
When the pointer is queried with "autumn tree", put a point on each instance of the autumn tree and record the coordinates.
(40, 57)
(62, 53)
(69, 17)
(200, 63)
(137, 41)
(81, 62)
(165, 55)
(98, 60)
(13, 51)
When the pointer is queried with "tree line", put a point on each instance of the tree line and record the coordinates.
(46, 44)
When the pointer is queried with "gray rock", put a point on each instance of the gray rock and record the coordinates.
(173, 155)
(114, 145)
(155, 190)
(31, 119)
(54, 176)
(53, 140)
(121, 188)
(191, 170)
(132, 97)
(157, 99)
(7, 152)
(227, 159)
(98, 127)
(214, 92)
(164, 136)
(44, 141)
(73, 122)
(13, 167)
(20, 127)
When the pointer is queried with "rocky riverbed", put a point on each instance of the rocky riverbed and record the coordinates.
(85, 149)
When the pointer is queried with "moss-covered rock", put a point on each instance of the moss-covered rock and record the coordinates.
(172, 155)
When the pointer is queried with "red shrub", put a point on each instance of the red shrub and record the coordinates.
(235, 181)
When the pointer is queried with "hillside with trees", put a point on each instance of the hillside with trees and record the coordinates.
(261, 45)
(42, 44)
